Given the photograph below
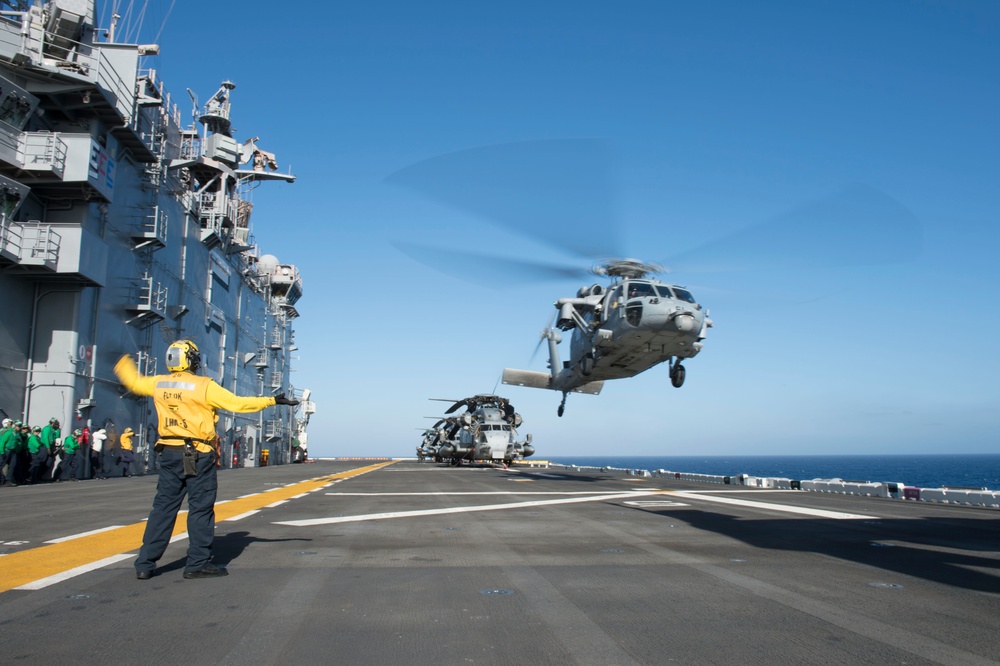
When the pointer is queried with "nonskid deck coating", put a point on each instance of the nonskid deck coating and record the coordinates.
(417, 563)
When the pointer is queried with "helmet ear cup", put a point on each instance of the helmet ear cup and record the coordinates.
(193, 357)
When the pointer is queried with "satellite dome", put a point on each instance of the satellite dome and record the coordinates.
(267, 263)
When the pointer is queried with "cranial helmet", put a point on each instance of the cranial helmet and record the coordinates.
(183, 356)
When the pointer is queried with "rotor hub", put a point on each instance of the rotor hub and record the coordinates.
(627, 268)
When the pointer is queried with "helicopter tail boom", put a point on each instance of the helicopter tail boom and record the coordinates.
(543, 380)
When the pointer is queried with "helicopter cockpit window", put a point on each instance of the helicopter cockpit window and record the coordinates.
(684, 295)
(664, 291)
(639, 290)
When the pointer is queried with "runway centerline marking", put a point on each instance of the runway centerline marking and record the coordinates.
(462, 509)
(783, 508)
(35, 568)
(486, 492)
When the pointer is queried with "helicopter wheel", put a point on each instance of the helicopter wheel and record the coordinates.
(587, 365)
(677, 375)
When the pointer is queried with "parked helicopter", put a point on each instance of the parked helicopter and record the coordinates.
(487, 431)
(558, 192)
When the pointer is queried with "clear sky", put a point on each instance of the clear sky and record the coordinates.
(717, 115)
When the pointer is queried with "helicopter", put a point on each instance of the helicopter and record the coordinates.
(619, 331)
(487, 431)
(557, 192)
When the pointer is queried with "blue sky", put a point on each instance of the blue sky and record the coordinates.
(717, 116)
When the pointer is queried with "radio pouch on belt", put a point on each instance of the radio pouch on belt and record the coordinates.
(190, 459)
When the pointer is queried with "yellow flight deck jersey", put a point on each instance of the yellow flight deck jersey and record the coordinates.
(186, 403)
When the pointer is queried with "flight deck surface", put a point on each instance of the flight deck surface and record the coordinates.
(358, 562)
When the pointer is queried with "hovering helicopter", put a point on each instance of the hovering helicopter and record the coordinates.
(558, 192)
(487, 430)
(619, 331)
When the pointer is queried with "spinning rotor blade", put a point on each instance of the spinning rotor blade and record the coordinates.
(857, 226)
(555, 191)
(488, 270)
(543, 337)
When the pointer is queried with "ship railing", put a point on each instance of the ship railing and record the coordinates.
(153, 227)
(274, 428)
(191, 148)
(217, 209)
(39, 244)
(148, 294)
(215, 110)
(147, 128)
(10, 138)
(276, 378)
(147, 364)
(10, 239)
(69, 56)
(243, 211)
(41, 151)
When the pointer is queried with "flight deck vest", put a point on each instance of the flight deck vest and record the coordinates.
(183, 410)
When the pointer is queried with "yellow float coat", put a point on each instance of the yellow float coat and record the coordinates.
(186, 403)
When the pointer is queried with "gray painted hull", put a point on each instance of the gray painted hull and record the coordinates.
(125, 225)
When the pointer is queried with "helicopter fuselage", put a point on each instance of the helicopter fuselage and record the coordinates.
(636, 325)
(619, 332)
(486, 432)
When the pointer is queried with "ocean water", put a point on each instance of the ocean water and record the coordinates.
(922, 471)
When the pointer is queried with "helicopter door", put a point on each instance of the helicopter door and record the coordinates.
(637, 291)
(612, 302)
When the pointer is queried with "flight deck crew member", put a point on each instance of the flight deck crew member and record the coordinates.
(185, 409)
(71, 453)
(39, 455)
(7, 437)
(50, 438)
(127, 455)
(97, 453)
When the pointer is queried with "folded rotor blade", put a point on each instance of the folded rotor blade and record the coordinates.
(557, 191)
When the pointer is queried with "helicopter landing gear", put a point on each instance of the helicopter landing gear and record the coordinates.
(562, 405)
(587, 365)
(677, 373)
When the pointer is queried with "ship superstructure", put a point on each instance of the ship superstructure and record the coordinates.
(124, 227)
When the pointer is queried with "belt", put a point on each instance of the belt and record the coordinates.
(191, 454)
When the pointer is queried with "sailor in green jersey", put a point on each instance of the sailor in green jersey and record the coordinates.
(12, 453)
(70, 449)
(39, 455)
(7, 438)
(50, 439)
(21, 458)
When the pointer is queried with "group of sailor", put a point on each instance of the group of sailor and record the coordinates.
(30, 455)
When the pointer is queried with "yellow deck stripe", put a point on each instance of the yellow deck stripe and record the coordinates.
(27, 566)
